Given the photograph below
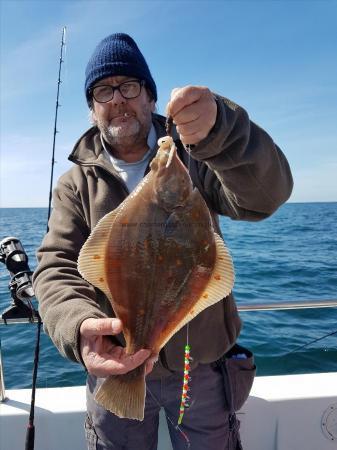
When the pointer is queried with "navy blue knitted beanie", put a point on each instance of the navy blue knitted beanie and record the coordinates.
(117, 54)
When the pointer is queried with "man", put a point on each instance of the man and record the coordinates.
(239, 171)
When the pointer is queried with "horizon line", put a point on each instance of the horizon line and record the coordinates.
(288, 202)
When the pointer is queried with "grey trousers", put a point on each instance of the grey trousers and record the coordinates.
(205, 424)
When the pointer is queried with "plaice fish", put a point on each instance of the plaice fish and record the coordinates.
(160, 263)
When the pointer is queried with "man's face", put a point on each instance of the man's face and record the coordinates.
(123, 121)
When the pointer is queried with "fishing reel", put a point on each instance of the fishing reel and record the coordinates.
(13, 255)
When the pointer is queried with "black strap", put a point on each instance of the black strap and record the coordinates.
(233, 422)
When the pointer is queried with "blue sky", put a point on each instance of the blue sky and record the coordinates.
(277, 59)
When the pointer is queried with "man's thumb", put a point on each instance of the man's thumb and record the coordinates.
(100, 327)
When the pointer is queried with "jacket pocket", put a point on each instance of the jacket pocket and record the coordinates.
(241, 372)
(90, 434)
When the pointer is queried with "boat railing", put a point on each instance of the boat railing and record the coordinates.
(284, 305)
(242, 307)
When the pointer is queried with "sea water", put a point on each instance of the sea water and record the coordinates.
(289, 256)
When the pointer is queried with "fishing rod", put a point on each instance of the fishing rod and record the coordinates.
(59, 81)
(30, 434)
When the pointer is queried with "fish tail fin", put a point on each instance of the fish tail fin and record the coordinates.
(124, 395)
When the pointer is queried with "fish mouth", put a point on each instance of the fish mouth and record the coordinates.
(168, 150)
(171, 154)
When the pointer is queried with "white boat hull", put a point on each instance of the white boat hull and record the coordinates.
(294, 412)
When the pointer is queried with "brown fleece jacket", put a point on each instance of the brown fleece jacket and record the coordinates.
(239, 171)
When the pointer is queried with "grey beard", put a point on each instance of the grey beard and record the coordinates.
(116, 136)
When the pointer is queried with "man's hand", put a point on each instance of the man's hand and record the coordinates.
(103, 358)
(194, 110)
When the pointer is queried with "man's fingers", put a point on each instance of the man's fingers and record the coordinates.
(135, 360)
(182, 97)
(150, 363)
(189, 129)
(116, 362)
(168, 106)
(189, 114)
(100, 327)
(100, 356)
(194, 111)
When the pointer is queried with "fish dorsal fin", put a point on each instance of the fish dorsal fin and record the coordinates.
(91, 260)
(219, 286)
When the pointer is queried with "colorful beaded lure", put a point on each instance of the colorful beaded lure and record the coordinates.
(184, 397)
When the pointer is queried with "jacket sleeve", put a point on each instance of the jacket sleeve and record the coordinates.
(243, 173)
(65, 299)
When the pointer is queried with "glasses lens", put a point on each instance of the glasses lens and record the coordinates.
(102, 94)
(130, 89)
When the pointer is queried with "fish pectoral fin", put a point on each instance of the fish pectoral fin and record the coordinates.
(124, 395)
(91, 259)
(219, 286)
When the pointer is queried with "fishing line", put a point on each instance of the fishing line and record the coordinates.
(187, 358)
(169, 125)
(188, 148)
(175, 426)
(311, 342)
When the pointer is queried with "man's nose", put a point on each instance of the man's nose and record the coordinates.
(118, 99)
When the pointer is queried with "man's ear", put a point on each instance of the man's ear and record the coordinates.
(92, 116)
(153, 106)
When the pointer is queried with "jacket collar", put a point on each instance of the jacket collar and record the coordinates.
(88, 149)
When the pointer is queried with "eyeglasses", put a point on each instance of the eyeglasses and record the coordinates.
(103, 93)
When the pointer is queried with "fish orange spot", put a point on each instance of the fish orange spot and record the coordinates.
(101, 279)
(97, 257)
(125, 222)
(160, 258)
(205, 295)
(178, 262)
(217, 277)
